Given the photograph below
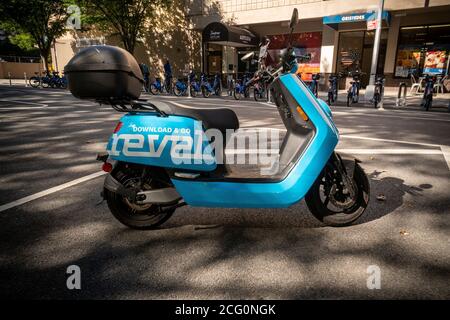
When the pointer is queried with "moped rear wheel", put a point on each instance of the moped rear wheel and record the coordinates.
(132, 215)
(328, 200)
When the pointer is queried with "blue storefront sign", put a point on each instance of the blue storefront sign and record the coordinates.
(355, 17)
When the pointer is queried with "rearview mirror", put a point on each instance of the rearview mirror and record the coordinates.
(294, 19)
(247, 56)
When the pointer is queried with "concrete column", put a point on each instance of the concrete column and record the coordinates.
(392, 41)
(327, 52)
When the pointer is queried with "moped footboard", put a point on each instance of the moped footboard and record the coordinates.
(164, 141)
(306, 165)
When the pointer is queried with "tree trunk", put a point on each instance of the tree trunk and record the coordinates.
(128, 44)
(45, 55)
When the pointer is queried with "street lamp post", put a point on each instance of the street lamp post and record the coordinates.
(376, 49)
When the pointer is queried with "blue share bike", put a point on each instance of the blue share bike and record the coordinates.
(180, 88)
(162, 156)
(205, 86)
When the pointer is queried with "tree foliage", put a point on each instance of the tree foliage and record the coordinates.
(126, 18)
(42, 20)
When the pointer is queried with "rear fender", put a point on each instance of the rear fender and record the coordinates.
(171, 142)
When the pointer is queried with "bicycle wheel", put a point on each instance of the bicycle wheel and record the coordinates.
(428, 102)
(153, 89)
(206, 93)
(178, 91)
(376, 99)
(193, 92)
(45, 83)
(237, 94)
(34, 82)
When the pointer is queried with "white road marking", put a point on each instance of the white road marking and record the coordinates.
(389, 116)
(50, 191)
(444, 150)
(391, 151)
(24, 102)
(351, 151)
(446, 153)
(389, 140)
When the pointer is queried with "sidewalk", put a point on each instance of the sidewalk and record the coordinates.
(440, 101)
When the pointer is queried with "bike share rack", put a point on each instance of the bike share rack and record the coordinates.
(401, 96)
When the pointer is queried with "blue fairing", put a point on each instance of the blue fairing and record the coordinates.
(325, 108)
(277, 194)
(169, 142)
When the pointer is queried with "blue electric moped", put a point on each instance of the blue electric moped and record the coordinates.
(163, 156)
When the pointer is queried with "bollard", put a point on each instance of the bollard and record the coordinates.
(401, 96)
(25, 77)
(9, 76)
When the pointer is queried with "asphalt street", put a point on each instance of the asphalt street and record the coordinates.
(49, 139)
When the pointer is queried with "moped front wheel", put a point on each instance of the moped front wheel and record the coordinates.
(330, 201)
(132, 215)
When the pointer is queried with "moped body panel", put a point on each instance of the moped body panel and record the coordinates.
(282, 193)
(170, 142)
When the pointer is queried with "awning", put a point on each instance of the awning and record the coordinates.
(334, 21)
(219, 33)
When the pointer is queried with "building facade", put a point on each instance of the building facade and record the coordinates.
(339, 34)
(212, 36)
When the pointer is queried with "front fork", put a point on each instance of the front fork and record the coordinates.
(343, 176)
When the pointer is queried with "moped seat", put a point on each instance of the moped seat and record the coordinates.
(212, 118)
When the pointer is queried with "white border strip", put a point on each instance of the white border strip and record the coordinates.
(50, 191)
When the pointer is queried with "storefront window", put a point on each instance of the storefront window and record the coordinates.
(304, 43)
(355, 52)
(423, 50)
(350, 51)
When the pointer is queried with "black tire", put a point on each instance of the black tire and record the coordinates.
(329, 98)
(428, 103)
(236, 94)
(153, 89)
(259, 95)
(346, 216)
(177, 91)
(141, 217)
(247, 92)
(349, 100)
(34, 82)
(193, 92)
(376, 98)
(206, 93)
